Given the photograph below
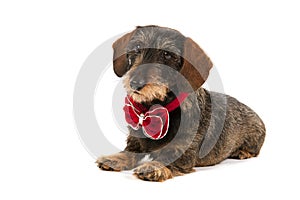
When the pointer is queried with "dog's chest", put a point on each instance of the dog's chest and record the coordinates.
(146, 158)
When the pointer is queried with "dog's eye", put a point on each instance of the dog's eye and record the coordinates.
(137, 49)
(167, 55)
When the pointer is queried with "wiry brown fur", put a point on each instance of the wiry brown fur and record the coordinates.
(150, 91)
(206, 129)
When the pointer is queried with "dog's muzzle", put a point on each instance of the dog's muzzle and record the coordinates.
(136, 83)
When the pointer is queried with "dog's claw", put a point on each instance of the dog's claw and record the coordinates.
(106, 166)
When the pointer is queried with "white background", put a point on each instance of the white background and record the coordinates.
(254, 44)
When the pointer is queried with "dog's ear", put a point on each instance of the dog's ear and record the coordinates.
(119, 59)
(196, 64)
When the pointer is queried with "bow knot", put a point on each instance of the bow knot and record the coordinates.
(141, 119)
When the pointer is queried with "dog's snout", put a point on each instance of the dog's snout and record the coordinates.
(137, 84)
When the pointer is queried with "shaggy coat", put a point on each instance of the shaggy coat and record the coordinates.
(157, 64)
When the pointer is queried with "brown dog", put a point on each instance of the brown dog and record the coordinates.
(174, 122)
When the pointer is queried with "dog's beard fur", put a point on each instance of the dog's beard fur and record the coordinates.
(150, 92)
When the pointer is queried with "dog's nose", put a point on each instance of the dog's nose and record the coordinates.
(137, 84)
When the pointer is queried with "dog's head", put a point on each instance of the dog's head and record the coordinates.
(147, 56)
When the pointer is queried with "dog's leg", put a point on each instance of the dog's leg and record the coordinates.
(153, 171)
(125, 160)
(164, 167)
(157, 171)
(254, 139)
(117, 162)
(242, 154)
(249, 149)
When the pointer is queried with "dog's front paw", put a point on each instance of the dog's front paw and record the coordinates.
(117, 162)
(153, 171)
